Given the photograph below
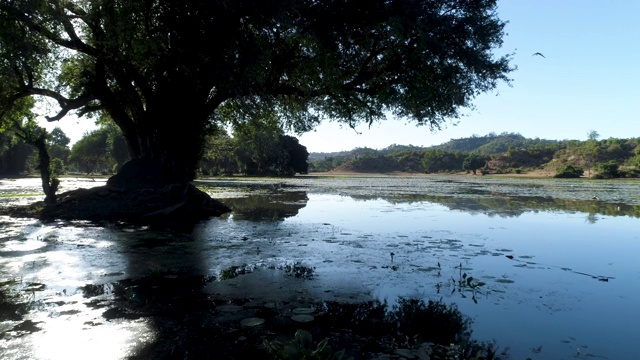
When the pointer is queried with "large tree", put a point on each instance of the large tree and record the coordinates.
(165, 70)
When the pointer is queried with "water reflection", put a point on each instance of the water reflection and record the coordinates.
(274, 206)
(504, 206)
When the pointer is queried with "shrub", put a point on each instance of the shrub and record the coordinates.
(57, 167)
(569, 171)
(629, 173)
(607, 170)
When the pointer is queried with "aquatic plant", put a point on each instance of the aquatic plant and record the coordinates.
(13, 303)
(302, 348)
(299, 271)
(443, 327)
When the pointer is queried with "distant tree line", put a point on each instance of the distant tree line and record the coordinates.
(252, 149)
(498, 154)
(262, 148)
(19, 157)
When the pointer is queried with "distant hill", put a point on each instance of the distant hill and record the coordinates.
(321, 155)
(503, 153)
(492, 144)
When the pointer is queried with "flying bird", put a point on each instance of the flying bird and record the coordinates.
(539, 54)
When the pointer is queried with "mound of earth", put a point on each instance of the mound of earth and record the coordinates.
(138, 193)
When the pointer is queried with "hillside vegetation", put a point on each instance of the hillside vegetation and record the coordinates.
(493, 154)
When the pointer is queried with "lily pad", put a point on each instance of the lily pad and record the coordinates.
(270, 305)
(505, 281)
(303, 311)
(229, 308)
(302, 318)
(252, 321)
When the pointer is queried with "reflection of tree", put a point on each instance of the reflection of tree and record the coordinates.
(592, 218)
(272, 206)
(508, 206)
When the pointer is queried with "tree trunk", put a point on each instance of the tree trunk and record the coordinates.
(172, 138)
(49, 186)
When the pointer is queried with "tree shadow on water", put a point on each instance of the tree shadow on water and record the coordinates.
(273, 206)
(190, 323)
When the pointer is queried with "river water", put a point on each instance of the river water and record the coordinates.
(553, 264)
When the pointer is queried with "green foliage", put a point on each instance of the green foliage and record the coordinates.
(607, 170)
(219, 155)
(59, 152)
(263, 149)
(58, 137)
(569, 171)
(15, 157)
(397, 148)
(302, 347)
(57, 167)
(328, 163)
(297, 155)
(378, 164)
(89, 154)
(255, 149)
(472, 143)
(436, 160)
(473, 162)
(408, 160)
(298, 61)
(99, 150)
(520, 156)
(116, 145)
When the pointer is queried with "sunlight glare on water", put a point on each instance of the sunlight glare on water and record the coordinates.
(69, 337)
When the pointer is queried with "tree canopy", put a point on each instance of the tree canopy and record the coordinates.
(164, 71)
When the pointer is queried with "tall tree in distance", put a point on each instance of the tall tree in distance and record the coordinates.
(473, 162)
(59, 150)
(58, 137)
(591, 150)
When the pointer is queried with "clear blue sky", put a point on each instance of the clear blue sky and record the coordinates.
(589, 80)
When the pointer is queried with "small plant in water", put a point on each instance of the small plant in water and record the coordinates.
(465, 283)
(302, 348)
(299, 271)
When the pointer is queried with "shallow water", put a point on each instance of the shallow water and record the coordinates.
(553, 264)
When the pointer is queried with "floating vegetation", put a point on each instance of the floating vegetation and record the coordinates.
(229, 308)
(299, 271)
(302, 348)
(465, 284)
(296, 269)
(234, 271)
(302, 318)
(303, 311)
(252, 321)
(13, 303)
(505, 281)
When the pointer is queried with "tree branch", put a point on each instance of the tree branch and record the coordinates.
(66, 104)
(74, 43)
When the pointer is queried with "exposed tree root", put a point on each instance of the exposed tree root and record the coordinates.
(177, 202)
